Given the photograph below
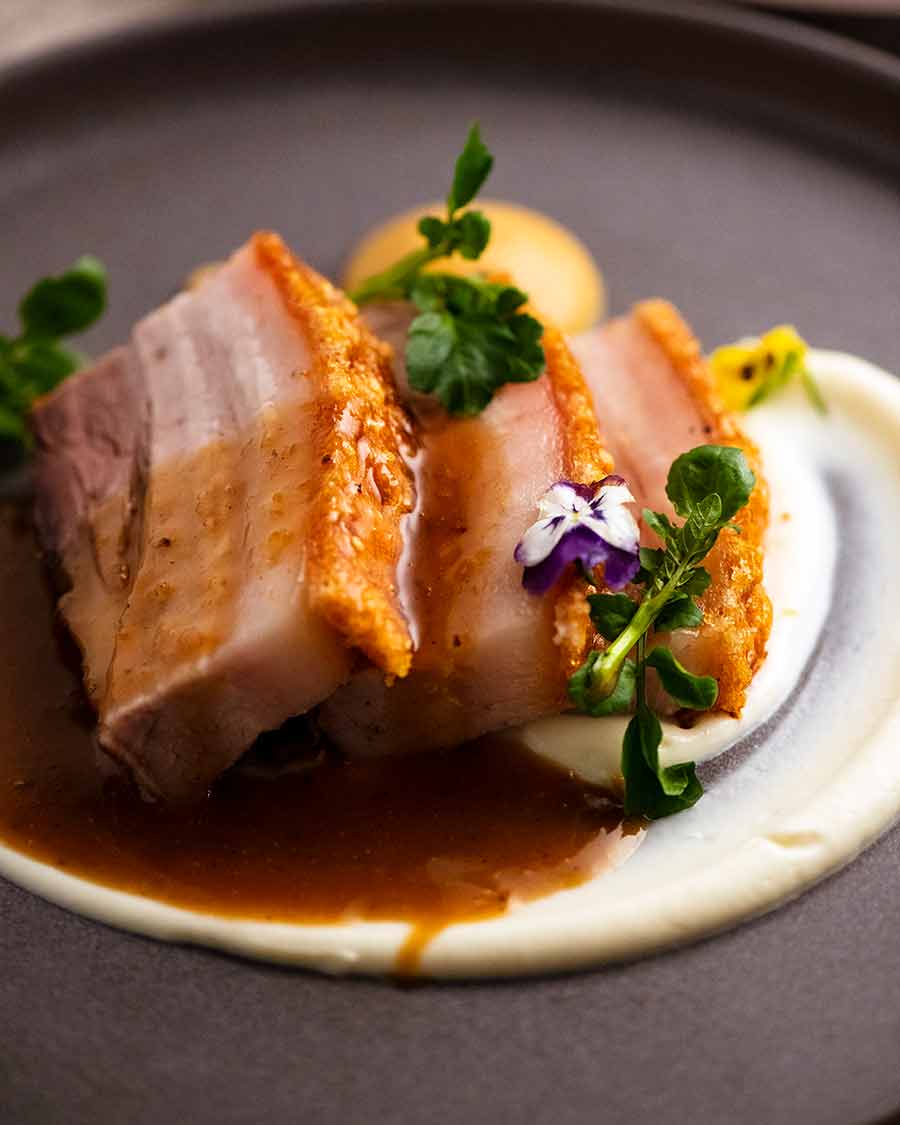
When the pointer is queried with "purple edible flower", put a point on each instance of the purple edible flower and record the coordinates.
(581, 523)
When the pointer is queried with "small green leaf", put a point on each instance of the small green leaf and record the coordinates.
(696, 692)
(474, 233)
(467, 345)
(618, 701)
(472, 337)
(473, 167)
(708, 470)
(427, 293)
(509, 299)
(708, 512)
(36, 361)
(431, 339)
(41, 365)
(679, 612)
(658, 523)
(525, 362)
(60, 306)
(610, 613)
(442, 362)
(696, 582)
(651, 559)
(433, 230)
(650, 790)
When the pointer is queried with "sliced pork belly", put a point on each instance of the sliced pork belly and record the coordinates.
(656, 399)
(90, 497)
(225, 495)
(488, 653)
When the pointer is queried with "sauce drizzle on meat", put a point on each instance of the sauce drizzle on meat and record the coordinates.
(429, 839)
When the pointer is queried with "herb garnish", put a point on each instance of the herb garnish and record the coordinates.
(707, 487)
(35, 361)
(470, 336)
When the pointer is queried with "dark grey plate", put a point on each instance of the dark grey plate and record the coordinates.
(745, 168)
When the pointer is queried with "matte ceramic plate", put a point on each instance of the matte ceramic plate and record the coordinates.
(846, 7)
(746, 174)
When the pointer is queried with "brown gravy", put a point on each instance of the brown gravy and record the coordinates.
(430, 839)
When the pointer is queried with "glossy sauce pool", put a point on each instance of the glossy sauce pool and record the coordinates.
(430, 839)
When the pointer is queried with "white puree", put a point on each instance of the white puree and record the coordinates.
(816, 787)
(801, 542)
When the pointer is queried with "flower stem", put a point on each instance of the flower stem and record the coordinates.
(640, 684)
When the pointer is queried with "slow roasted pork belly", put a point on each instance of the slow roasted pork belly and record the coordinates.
(656, 399)
(255, 516)
(488, 654)
(224, 497)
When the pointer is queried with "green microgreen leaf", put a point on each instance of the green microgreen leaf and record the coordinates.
(699, 693)
(658, 523)
(432, 337)
(64, 305)
(474, 234)
(473, 166)
(469, 341)
(707, 487)
(42, 364)
(610, 613)
(433, 230)
(680, 612)
(651, 561)
(471, 337)
(36, 361)
(696, 582)
(618, 701)
(707, 471)
(651, 790)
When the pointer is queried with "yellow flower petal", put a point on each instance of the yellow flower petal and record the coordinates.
(737, 373)
(745, 369)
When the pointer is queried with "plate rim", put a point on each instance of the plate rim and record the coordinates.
(870, 62)
(538, 992)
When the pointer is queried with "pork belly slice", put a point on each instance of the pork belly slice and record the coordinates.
(656, 399)
(225, 496)
(488, 653)
(90, 498)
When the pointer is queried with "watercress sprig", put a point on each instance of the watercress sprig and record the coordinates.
(467, 233)
(470, 336)
(707, 487)
(36, 360)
